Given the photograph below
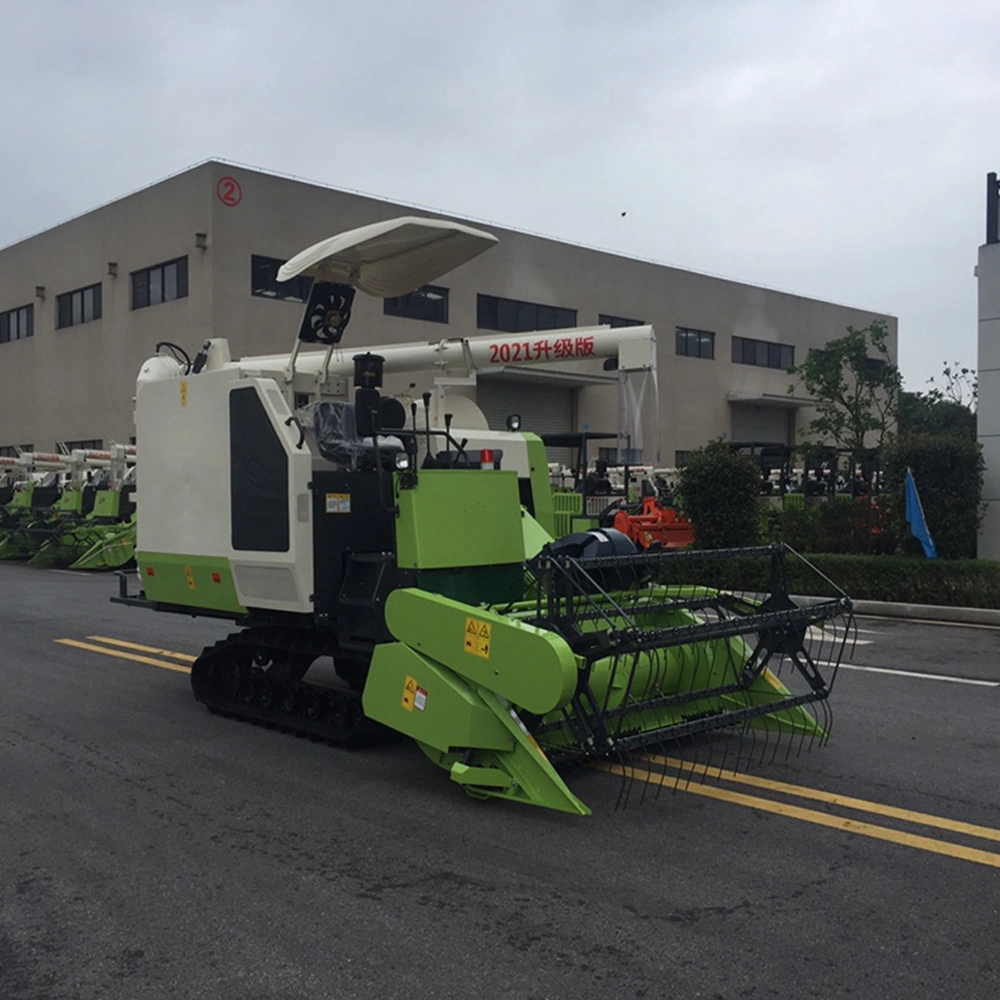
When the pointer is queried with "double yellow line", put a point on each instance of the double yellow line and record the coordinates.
(121, 650)
(689, 777)
(682, 772)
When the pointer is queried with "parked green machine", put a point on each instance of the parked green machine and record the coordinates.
(102, 518)
(66, 504)
(421, 560)
(31, 486)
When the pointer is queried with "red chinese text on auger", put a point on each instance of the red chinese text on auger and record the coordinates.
(542, 350)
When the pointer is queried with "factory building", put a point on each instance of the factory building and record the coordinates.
(196, 256)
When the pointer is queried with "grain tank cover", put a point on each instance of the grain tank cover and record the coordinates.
(390, 258)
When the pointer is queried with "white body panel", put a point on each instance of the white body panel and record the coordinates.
(183, 494)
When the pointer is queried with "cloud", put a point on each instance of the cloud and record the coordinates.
(835, 149)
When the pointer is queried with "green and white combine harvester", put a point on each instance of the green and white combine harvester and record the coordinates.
(368, 530)
(74, 509)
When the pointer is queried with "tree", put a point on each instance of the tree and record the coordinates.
(948, 407)
(718, 490)
(856, 387)
(948, 471)
(959, 385)
(923, 413)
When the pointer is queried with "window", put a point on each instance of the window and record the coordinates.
(429, 303)
(87, 443)
(695, 343)
(681, 458)
(264, 281)
(512, 316)
(620, 456)
(17, 324)
(13, 450)
(616, 321)
(162, 283)
(81, 306)
(762, 353)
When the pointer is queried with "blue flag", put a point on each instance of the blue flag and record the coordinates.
(915, 518)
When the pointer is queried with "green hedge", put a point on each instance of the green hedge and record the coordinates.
(900, 579)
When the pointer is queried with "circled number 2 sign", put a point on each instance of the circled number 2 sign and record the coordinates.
(229, 191)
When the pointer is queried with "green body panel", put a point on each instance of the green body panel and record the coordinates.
(107, 503)
(189, 581)
(534, 536)
(464, 728)
(541, 488)
(21, 499)
(16, 511)
(459, 517)
(69, 545)
(530, 667)
(25, 540)
(450, 715)
(564, 507)
(113, 547)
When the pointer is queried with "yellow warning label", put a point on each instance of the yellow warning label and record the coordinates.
(189, 573)
(477, 637)
(184, 392)
(409, 693)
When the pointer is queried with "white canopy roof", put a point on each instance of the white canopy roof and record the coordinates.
(390, 258)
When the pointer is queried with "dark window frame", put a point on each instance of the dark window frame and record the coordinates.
(84, 444)
(763, 353)
(613, 456)
(428, 303)
(617, 322)
(692, 343)
(72, 307)
(17, 324)
(150, 285)
(514, 316)
(264, 282)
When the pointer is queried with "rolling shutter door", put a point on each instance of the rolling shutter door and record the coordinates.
(771, 424)
(544, 409)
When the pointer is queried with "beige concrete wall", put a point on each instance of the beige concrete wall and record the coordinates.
(78, 382)
(84, 375)
(988, 416)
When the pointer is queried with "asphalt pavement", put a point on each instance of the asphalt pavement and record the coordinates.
(151, 849)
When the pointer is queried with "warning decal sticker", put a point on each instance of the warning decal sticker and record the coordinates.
(477, 637)
(410, 692)
(338, 503)
(420, 700)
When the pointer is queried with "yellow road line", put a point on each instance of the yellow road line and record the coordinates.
(821, 818)
(818, 795)
(186, 657)
(121, 654)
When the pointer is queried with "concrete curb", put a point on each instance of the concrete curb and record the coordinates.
(920, 612)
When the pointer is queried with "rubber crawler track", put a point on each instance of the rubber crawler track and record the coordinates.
(257, 674)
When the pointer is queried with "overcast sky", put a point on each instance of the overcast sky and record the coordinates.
(832, 148)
